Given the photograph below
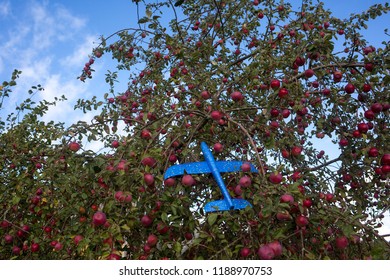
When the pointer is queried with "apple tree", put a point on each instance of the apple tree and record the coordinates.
(295, 91)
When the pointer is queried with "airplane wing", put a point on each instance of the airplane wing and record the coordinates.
(203, 167)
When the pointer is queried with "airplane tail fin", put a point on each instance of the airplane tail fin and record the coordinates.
(222, 205)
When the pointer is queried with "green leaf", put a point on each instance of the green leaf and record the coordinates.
(143, 20)
(125, 227)
(212, 218)
(148, 13)
(164, 216)
(177, 247)
(106, 129)
(15, 200)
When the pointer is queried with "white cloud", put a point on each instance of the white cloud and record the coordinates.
(55, 87)
(66, 16)
(13, 45)
(5, 8)
(80, 53)
(385, 229)
(50, 46)
(51, 26)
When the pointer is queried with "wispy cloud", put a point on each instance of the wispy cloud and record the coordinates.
(51, 25)
(5, 8)
(385, 229)
(55, 86)
(49, 44)
(80, 53)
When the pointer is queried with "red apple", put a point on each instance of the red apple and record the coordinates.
(301, 221)
(216, 115)
(99, 218)
(369, 66)
(172, 158)
(276, 248)
(343, 142)
(146, 221)
(152, 240)
(337, 75)
(35, 200)
(26, 228)
(275, 177)
(265, 252)
(309, 73)
(149, 161)
(385, 160)
(275, 84)
(300, 61)
(349, 88)
(238, 190)
(283, 216)
(145, 134)
(341, 242)
(115, 144)
(366, 87)
(369, 114)
(329, 197)
(113, 257)
(245, 252)
(326, 91)
(283, 92)
(385, 169)
(149, 179)
(74, 146)
(58, 246)
(285, 113)
(77, 239)
(187, 180)
(205, 94)
(218, 147)
(285, 153)
(128, 198)
(162, 228)
(246, 167)
(16, 250)
(188, 236)
(245, 181)
(34, 247)
(377, 107)
(307, 202)
(287, 198)
(170, 182)
(237, 96)
(373, 152)
(363, 127)
(274, 112)
(8, 238)
(119, 196)
(296, 151)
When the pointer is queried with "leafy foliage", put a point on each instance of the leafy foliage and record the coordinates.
(273, 85)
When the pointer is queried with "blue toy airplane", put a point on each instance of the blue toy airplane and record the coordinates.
(214, 167)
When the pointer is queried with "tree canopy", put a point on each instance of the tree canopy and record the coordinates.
(260, 82)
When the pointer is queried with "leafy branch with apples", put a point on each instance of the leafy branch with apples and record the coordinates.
(260, 82)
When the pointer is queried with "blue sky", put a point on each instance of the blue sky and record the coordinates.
(50, 40)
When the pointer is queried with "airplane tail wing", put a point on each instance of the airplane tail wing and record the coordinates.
(222, 205)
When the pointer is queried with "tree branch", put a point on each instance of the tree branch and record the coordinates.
(324, 164)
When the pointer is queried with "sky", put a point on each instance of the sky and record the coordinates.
(50, 40)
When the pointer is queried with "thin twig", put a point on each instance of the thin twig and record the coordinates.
(252, 143)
